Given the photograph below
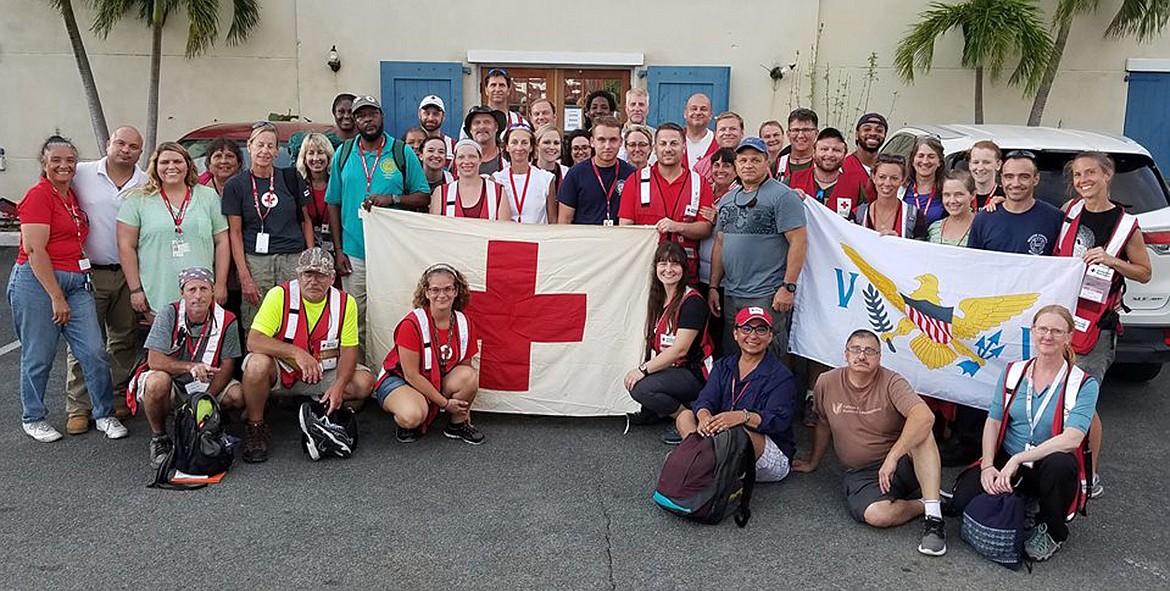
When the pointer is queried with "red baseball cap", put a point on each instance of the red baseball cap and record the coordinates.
(752, 313)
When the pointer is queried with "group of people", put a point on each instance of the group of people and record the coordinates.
(267, 266)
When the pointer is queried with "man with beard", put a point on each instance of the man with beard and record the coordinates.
(871, 134)
(728, 133)
(700, 140)
(431, 114)
(832, 186)
(802, 132)
(591, 191)
(670, 197)
(483, 124)
(372, 170)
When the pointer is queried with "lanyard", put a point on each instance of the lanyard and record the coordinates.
(918, 203)
(366, 168)
(182, 213)
(735, 398)
(671, 210)
(76, 213)
(523, 196)
(608, 192)
(256, 198)
(1052, 388)
(194, 350)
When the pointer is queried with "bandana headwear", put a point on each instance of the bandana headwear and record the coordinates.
(195, 274)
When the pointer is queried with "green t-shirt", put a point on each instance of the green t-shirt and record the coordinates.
(158, 268)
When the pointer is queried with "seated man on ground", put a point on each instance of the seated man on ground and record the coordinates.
(429, 368)
(192, 347)
(881, 431)
(303, 341)
(752, 389)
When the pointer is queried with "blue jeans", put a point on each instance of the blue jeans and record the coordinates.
(32, 313)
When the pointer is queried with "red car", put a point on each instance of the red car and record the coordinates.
(197, 141)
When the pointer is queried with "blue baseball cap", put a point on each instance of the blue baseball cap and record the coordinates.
(753, 143)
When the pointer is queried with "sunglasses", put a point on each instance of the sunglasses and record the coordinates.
(1028, 154)
(497, 72)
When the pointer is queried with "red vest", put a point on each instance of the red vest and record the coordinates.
(902, 225)
(491, 195)
(431, 367)
(667, 328)
(853, 166)
(845, 196)
(1066, 401)
(690, 211)
(324, 343)
(210, 340)
(1089, 312)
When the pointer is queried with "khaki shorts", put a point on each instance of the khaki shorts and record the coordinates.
(300, 388)
(178, 393)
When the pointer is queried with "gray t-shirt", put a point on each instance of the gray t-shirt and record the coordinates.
(159, 339)
(755, 250)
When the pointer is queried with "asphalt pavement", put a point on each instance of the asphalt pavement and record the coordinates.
(545, 503)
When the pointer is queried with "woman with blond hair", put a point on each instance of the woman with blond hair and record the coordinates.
(1034, 437)
(549, 152)
(314, 161)
(268, 220)
(638, 142)
(171, 224)
(429, 367)
(530, 189)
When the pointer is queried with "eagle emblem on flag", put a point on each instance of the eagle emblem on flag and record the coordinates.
(941, 329)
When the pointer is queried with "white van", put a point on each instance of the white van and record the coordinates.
(1138, 186)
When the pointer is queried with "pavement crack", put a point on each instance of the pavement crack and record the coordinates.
(608, 544)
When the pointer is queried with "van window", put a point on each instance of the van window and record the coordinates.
(900, 143)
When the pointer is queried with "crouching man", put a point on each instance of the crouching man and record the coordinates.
(303, 341)
(192, 347)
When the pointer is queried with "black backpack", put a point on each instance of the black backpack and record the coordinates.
(397, 152)
(705, 478)
(200, 445)
(993, 525)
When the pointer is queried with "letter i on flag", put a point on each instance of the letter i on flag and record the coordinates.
(560, 310)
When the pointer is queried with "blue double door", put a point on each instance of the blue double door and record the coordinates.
(1147, 114)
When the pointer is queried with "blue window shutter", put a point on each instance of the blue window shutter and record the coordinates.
(404, 84)
(671, 86)
(1147, 114)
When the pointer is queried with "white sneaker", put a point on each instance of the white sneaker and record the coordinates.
(112, 427)
(42, 431)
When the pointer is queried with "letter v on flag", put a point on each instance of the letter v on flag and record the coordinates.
(560, 310)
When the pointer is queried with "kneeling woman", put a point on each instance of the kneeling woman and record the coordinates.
(1035, 432)
(677, 341)
(752, 389)
(429, 367)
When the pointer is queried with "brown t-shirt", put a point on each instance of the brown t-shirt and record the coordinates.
(865, 423)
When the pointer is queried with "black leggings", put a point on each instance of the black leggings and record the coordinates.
(663, 391)
(1053, 480)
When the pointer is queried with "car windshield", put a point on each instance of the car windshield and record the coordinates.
(1135, 185)
(198, 151)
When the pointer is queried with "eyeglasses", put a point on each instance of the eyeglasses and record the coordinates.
(637, 144)
(759, 329)
(1028, 154)
(581, 148)
(315, 276)
(802, 130)
(449, 290)
(860, 351)
(1047, 330)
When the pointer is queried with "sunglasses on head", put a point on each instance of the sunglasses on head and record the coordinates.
(497, 72)
(1020, 154)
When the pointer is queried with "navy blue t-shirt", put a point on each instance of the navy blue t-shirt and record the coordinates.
(581, 190)
(1033, 232)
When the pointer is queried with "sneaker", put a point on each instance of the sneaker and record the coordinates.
(306, 418)
(934, 537)
(671, 436)
(77, 424)
(1040, 546)
(322, 435)
(42, 431)
(256, 442)
(811, 418)
(1098, 488)
(111, 426)
(464, 431)
(160, 446)
(408, 435)
(643, 417)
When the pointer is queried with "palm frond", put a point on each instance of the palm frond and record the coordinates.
(1142, 19)
(245, 19)
(203, 16)
(916, 49)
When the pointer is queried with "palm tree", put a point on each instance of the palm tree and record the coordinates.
(993, 31)
(201, 35)
(1142, 19)
(97, 116)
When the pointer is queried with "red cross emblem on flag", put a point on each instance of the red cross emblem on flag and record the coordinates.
(510, 316)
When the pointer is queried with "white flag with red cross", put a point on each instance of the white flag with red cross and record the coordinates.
(560, 310)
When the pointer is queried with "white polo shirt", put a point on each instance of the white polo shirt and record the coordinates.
(696, 150)
(101, 199)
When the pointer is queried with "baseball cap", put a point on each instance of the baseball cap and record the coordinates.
(195, 274)
(366, 101)
(752, 313)
(873, 118)
(432, 101)
(315, 260)
(752, 142)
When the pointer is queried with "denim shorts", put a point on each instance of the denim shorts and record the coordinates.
(388, 385)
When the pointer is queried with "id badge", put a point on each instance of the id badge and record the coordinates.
(83, 264)
(1081, 324)
(607, 223)
(843, 207)
(324, 229)
(1098, 280)
(691, 211)
(328, 354)
(262, 243)
(179, 248)
(197, 387)
(666, 340)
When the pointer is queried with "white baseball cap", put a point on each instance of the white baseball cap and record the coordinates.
(432, 101)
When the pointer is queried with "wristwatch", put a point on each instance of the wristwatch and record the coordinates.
(791, 287)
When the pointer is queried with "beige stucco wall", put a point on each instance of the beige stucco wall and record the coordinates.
(282, 67)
